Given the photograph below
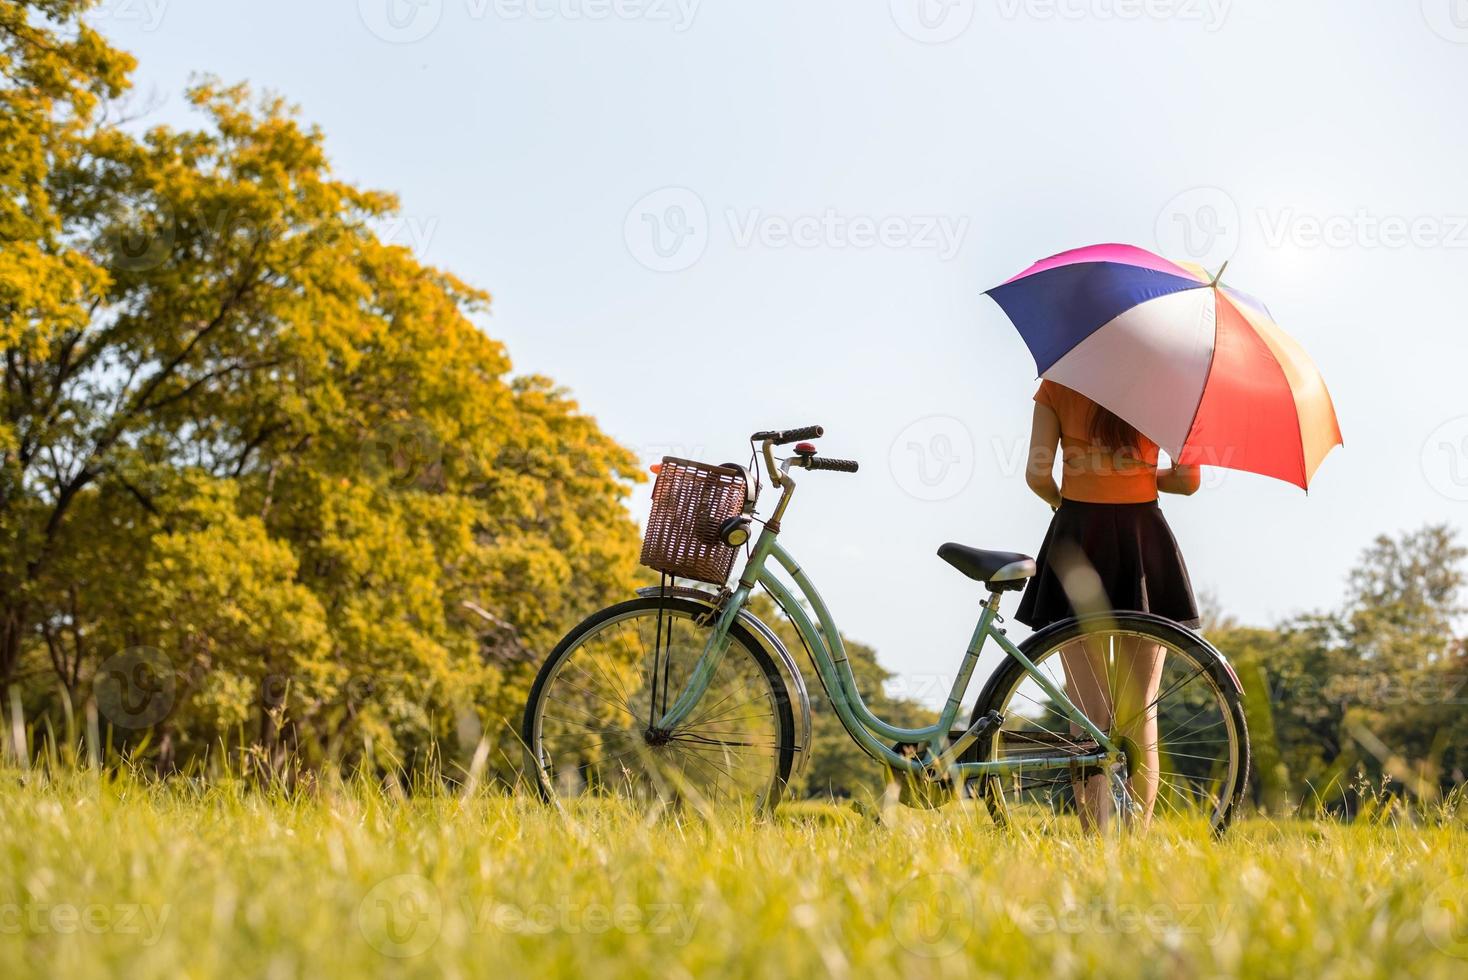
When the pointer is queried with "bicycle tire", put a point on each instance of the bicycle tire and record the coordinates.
(742, 643)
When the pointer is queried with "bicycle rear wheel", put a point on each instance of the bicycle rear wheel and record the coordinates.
(589, 726)
(1201, 740)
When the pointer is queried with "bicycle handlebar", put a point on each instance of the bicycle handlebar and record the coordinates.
(781, 436)
(831, 463)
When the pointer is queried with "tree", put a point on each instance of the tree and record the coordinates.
(1374, 687)
(54, 71)
(240, 429)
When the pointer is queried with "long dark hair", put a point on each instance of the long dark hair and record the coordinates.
(1111, 431)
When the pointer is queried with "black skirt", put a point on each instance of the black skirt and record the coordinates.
(1104, 557)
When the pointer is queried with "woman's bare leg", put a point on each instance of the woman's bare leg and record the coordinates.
(1138, 676)
(1088, 686)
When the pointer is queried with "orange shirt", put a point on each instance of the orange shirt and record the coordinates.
(1091, 472)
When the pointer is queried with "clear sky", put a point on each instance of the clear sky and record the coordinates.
(710, 217)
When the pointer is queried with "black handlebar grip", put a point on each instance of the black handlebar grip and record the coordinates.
(829, 463)
(781, 436)
(800, 434)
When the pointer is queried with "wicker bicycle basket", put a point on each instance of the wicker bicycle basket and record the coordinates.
(689, 503)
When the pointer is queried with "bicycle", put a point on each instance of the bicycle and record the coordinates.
(682, 694)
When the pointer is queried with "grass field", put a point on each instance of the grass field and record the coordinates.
(130, 879)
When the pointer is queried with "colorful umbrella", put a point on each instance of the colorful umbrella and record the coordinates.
(1199, 368)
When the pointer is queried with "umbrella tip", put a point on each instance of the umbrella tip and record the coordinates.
(1220, 274)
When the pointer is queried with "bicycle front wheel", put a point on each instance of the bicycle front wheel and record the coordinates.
(1186, 739)
(590, 725)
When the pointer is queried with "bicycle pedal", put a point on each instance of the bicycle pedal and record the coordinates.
(991, 722)
(982, 729)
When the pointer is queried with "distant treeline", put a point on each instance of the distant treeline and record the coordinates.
(1371, 694)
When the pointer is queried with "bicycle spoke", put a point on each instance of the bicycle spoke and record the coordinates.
(706, 716)
(576, 707)
(621, 692)
(1197, 672)
(722, 743)
(618, 707)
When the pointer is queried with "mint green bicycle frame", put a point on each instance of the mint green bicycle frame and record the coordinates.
(829, 656)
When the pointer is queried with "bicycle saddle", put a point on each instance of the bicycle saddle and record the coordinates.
(1001, 571)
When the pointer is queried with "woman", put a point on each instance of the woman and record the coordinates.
(1108, 547)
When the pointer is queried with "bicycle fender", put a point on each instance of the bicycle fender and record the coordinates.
(1038, 639)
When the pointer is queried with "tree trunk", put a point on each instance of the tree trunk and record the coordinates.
(12, 628)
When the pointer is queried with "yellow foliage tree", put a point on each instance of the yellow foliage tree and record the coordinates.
(241, 431)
